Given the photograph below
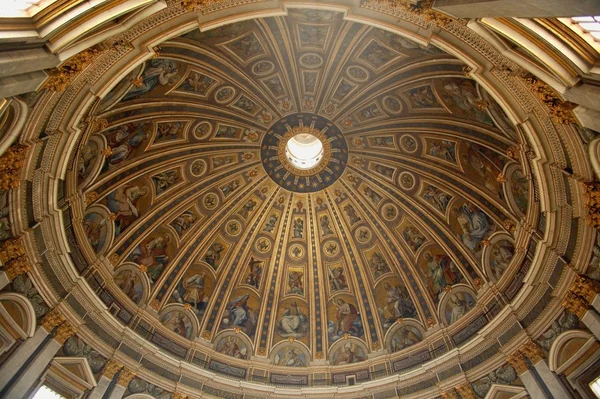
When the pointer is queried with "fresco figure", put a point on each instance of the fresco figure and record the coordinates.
(247, 208)
(474, 225)
(351, 213)
(158, 72)
(337, 279)
(164, 180)
(378, 264)
(325, 227)
(487, 165)
(298, 228)
(293, 322)
(290, 358)
(95, 230)
(152, 253)
(239, 310)
(130, 283)
(123, 202)
(403, 338)
(124, 140)
(295, 283)
(183, 222)
(168, 131)
(436, 197)
(347, 354)
(176, 322)
(398, 303)
(458, 307)
(213, 254)
(501, 254)
(413, 237)
(85, 157)
(231, 346)
(254, 272)
(445, 150)
(270, 225)
(345, 317)
(192, 290)
(441, 272)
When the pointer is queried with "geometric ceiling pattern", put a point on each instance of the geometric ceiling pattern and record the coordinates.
(402, 232)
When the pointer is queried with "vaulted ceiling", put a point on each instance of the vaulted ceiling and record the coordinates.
(408, 240)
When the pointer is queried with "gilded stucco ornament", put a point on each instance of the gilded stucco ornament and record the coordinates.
(111, 368)
(518, 362)
(125, 377)
(533, 351)
(592, 203)
(65, 331)
(575, 304)
(52, 319)
(585, 288)
(562, 111)
(60, 78)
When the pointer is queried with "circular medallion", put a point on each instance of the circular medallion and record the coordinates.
(407, 180)
(362, 235)
(358, 74)
(304, 153)
(262, 68)
(202, 130)
(210, 201)
(389, 212)
(408, 143)
(225, 94)
(311, 60)
(263, 245)
(296, 252)
(198, 167)
(234, 228)
(331, 248)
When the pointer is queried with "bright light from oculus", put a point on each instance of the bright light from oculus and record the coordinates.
(304, 151)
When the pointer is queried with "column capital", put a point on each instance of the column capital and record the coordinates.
(52, 319)
(110, 369)
(585, 287)
(11, 249)
(451, 394)
(64, 332)
(125, 377)
(466, 391)
(178, 395)
(532, 351)
(16, 266)
(517, 361)
(575, 304)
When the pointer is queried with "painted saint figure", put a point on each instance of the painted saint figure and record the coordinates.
(123, 202)
(474, 224)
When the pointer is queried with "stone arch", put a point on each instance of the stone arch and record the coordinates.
(568, 348)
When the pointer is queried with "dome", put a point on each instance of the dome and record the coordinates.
(303, 189)
(299, 199)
